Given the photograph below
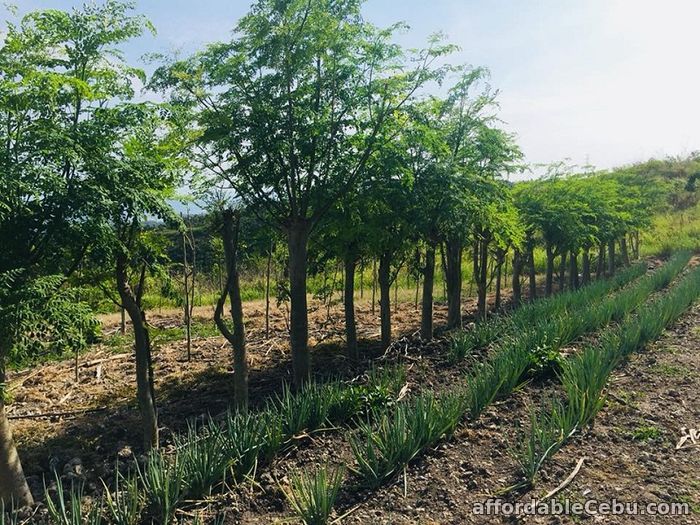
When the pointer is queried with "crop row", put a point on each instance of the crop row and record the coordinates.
(386, 443)
(488, 332)
(219, 453)
(584, 376)
(383, 448)
(216, 454)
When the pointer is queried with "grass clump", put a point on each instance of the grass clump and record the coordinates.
(163, 486)
(69, 507)
(123, 506)
(549, 429)
(399, 434)
(250, 439)
(202, 459)
(312, 496)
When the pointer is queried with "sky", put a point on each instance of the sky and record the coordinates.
(592, 82)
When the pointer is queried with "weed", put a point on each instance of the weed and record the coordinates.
(646, 433)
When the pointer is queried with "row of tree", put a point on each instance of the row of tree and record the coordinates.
(310, 119)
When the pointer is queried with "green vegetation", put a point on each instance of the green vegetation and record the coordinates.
(384, 447)
(312, 495)
(585, 375)
(397, 436)
(646, 433)
(503, 326)
(326, 156)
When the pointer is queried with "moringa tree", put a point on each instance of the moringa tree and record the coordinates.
(60, 72)
(289, 113)
(135, 180)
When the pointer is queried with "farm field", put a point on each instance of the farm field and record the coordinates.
(443, 484)
(307, 262)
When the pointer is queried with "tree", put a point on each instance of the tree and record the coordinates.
(136, 174)
(289, 113)
(59, 71)
(387, 215)
(230, 228)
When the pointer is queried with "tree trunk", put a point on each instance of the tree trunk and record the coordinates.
(122, 324)
(611, 258)
(600, 267)
(623, 251)
(349, 304)
(384, 298)
(453, 276)
(267, 292)
(145, 392)
(500, 257)
(186, 280)
(229, 232)
(362, 278)
(562, 270)
(532, 273)
(573, 270)
(298, 237)
(415, 300)
(481, 255)
(374, 283)
(549, 271)
(586, 267)
(426, 323)
(517, 269)
(13, 485)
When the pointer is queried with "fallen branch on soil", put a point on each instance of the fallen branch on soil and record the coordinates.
(105, 359)
(59, 414)
(568, 480)
(340, 518)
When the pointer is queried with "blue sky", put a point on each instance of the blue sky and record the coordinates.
(605, 82)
